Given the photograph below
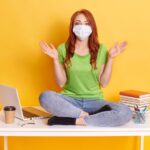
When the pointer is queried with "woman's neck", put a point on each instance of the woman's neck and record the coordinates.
(81, 45)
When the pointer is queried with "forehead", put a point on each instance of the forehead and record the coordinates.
(81, 17)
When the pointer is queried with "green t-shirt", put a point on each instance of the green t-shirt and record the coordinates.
(82, 82)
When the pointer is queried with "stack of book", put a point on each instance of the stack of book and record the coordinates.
(134, 98)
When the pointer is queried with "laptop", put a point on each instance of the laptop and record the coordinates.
(9, 97)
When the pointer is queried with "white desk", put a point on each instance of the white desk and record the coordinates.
(42, 129)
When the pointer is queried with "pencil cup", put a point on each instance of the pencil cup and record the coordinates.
(9, 112)
(139, 117)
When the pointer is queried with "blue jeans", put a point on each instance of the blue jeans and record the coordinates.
(65, 106)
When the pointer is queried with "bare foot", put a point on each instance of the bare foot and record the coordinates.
(83, 114)
(80, 121)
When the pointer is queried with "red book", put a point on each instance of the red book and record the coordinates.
(135, 93)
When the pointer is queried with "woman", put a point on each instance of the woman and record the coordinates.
(82, 66)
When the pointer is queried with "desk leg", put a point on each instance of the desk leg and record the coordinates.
(5, 143)
(141, 142)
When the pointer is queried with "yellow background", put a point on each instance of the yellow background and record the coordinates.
(24, 66)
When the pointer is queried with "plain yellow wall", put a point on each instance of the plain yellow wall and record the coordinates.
(24, 66)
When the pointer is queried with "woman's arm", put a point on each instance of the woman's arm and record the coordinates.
(60, 73)
(59, 70)
(106, 70)
(105, 73)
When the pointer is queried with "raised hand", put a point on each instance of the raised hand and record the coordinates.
(50, 50)
(117, 49)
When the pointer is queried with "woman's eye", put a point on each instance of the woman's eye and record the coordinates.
(77, 23)
(87, 23)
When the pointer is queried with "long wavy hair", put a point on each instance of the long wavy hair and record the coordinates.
(93, 42)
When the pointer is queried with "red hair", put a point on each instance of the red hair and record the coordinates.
(93, 42)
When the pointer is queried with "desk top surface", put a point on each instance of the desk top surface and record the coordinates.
(40, 128)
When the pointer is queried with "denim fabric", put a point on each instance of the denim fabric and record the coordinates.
(65, 106)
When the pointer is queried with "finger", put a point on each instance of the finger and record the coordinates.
(43, 47)
(41, 43)
(117, 48)
(45, 44)
(52, 46)
(116, 44)
(47, 52)
(44, 51)
(123, 44)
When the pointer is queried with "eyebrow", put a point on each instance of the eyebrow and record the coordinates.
(80, 21)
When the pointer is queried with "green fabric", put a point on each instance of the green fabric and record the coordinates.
(82, 82)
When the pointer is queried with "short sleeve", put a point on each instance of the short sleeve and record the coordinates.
(103, 54)
(61, 52)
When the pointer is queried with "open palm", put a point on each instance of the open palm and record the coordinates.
(117, 49)
(50, 50)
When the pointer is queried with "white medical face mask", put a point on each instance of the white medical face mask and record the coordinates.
(82, 31)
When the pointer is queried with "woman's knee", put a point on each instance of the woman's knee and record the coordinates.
(124, 114)
(45, 96)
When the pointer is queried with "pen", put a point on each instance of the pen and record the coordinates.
(145, 108)
(136, 108)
